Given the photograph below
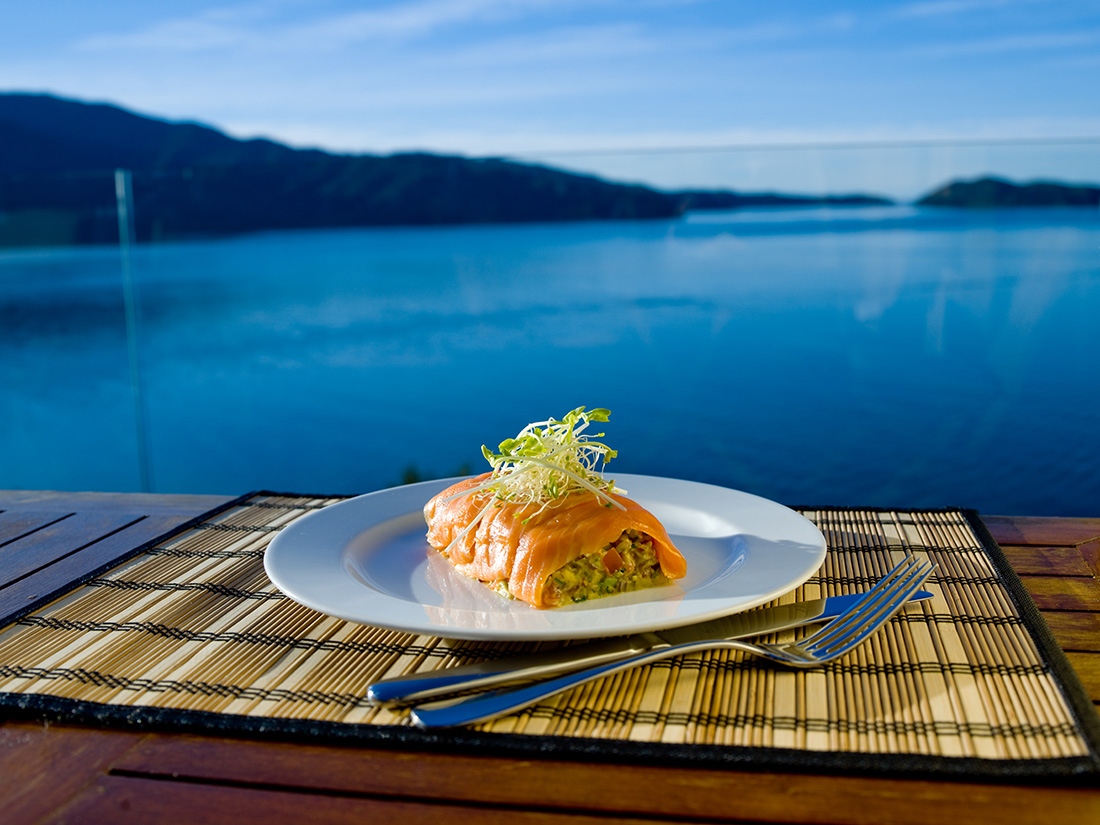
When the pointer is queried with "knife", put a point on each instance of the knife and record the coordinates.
(418, 686)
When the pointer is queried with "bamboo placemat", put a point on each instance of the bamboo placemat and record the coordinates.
(190, 633)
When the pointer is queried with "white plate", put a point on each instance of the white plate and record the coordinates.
(366, 559)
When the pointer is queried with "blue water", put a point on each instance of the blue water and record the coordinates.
(887, 356)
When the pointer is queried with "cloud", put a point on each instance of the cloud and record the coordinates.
(951, 8)
(599, 42)
(519, 29)
(222, 28)
(172, 35)
(264, 27)
(1031, 42)
(408, 19)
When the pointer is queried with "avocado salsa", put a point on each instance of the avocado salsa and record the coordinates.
(629, 563)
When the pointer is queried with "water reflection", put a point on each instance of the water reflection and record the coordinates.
(868, 357)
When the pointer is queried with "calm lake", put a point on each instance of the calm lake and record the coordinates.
(878, 357)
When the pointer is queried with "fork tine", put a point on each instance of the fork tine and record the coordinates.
(884, 615)
(868, 621)
(855, 614)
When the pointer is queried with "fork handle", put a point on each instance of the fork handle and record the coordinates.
(499, 702)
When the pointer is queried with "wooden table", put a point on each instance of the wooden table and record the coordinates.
(66, 773)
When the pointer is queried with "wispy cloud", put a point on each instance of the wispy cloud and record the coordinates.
(271, 26)
(263, 27)
(951, 8)
(567, 43)
(221, 28)
(410, 19)
(1033, 42)
(575, 44)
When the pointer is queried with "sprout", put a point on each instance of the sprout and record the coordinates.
(545, 462)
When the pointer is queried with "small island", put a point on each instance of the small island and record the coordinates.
(997, 193)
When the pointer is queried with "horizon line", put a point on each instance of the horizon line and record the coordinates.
(847, 144)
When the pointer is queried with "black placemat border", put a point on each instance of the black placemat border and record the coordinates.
(1066, 678)
(1069, 770)
(1065, 771)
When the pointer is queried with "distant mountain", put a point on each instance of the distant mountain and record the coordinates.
(57, 162)
(45, 134)
(994, 192)
(57, 159)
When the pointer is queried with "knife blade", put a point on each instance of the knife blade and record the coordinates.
(417, 686)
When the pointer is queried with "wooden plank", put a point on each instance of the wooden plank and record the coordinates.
(41, 768)
(148, 503)
(1074, 630)
(26, 591)
(1046, 561)
(1063, 592)
(1087, 666)
(115, 799)
(651, 791)
(1042, 530)
(1090, 552)
(15, 524)
(64, 537)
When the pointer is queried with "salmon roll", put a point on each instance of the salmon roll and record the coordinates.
(577, 547)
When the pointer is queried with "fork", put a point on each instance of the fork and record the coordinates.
(832, 641)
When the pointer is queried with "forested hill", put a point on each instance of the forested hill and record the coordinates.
(57, 159)
(990, 192)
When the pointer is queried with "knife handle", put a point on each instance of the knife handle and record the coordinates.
(495, 703)
(417, 686)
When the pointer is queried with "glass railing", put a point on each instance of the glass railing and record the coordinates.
(900, 170)
(873, 352)
(67, 338)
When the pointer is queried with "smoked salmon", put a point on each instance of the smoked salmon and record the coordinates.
(578, 546)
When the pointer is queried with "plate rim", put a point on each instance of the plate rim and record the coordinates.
(274, 560)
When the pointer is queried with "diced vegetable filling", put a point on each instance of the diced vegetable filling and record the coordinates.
(629, 563)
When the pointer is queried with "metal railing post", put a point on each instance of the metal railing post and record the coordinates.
(124, 198)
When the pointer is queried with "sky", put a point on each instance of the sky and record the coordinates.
(890, 98)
